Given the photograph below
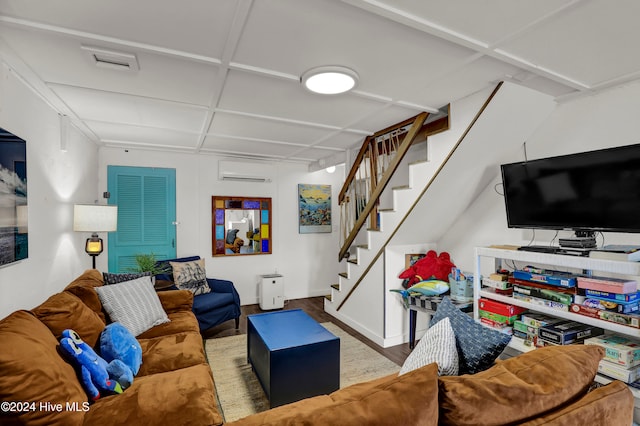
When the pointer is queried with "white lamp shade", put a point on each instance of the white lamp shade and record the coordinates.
(95, 218)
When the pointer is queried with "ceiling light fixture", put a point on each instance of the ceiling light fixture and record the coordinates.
(329, 80)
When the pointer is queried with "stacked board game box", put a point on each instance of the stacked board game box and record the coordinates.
(622, 356)
(629, 320)
(498, 315)
(546, 276)
(552, 289)
(608, 285)
(498, 281)
(618, 349)
(566, 332)
(610, 299)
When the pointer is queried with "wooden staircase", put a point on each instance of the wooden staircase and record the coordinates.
(360, 297)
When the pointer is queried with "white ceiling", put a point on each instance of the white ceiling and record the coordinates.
(222, 76)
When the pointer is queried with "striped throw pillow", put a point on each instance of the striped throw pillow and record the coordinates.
(437, 345)
(134, 304)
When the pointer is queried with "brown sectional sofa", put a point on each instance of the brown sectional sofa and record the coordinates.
(173, 387)
(549, 386)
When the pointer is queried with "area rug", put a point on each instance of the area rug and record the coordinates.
(240, 393)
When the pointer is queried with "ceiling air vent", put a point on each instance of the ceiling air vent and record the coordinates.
(112, 59)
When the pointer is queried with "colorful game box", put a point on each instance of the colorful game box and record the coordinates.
(499, 307)
(619, 372)
(618, 349)
(566, 332)
(630, 320)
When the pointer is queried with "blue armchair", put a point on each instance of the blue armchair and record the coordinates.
(220, 305)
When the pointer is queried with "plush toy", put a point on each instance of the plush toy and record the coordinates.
(116, 342)
(94, 370)
(426, 288)
(429, 267)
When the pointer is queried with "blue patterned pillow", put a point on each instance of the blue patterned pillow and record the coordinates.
(478, 346)
(110, 278)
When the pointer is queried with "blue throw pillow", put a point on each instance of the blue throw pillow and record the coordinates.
(478, 346)
(111, 278)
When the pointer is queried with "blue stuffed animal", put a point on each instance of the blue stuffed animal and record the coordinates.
(116, 342)
(95, 372)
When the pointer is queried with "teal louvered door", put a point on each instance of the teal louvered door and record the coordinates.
(146, 200)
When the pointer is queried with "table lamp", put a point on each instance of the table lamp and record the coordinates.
(94, 218)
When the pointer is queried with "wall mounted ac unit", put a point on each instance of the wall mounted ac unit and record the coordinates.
(245, 172)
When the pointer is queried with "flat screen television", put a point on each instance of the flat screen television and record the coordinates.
(585, 192)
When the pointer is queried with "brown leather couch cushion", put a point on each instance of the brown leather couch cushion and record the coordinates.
(83, 287)
(64, 310)
(519, 388)
(179, 322)
(171, 352)
(410, 399)
(608, 405)
(32, 370)
(176, 300)
(181, 397)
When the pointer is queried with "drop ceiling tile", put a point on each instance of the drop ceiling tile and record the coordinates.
(311, 154)
(386, 118)
(264, 129)
(390, 58)
(118, 134)
(249, 148)
(280, 98)
(61, 60)
(195, 26)
(477, 75)
(592, 44)
(124, 109)
(487, 22)
(342, 140)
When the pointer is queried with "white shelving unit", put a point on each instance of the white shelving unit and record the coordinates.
(559, 262)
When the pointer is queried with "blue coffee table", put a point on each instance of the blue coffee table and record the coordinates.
(293, 356)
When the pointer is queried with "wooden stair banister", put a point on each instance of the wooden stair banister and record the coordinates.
(407, 141)
(424, 190)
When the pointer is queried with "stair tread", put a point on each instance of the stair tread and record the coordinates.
(401, 187)
(336, 286)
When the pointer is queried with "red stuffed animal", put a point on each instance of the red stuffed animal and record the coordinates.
(431, 266)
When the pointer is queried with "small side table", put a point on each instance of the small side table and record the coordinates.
(292, 355)
(428, 305)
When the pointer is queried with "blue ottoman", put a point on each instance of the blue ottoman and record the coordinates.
(293, 356)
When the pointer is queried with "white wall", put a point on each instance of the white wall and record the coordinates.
(600, 121)
(307, 261)
(55, 181)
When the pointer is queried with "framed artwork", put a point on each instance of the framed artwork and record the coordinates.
(241, 226)
(14, 241)
(314, 208)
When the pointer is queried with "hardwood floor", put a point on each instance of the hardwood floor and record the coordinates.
(314, 306)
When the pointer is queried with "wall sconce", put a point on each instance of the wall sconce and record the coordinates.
(64, 132)
(94, 218)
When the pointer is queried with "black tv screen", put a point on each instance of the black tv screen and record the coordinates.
(590, 191)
